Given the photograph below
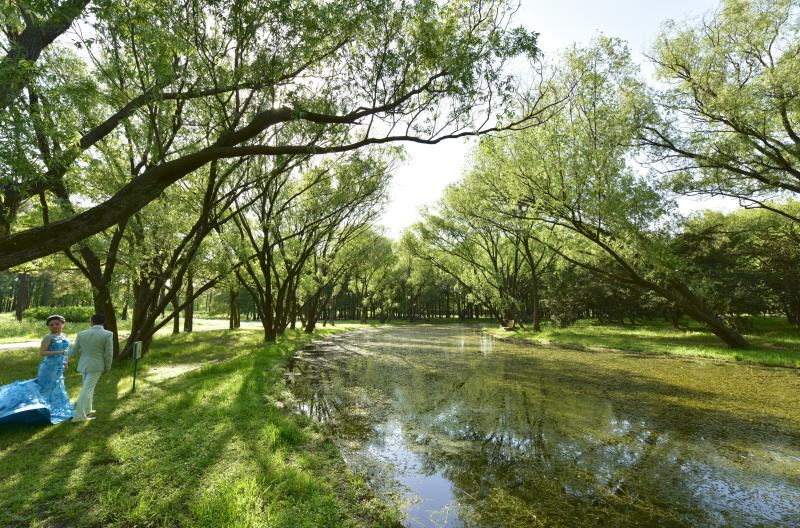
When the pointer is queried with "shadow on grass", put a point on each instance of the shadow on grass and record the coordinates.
(171, 454)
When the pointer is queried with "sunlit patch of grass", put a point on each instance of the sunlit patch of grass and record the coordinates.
(774, 342)
(206, 448)
(12, 330)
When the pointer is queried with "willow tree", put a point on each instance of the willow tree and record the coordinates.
(574, 172)
(463, 240)
(731, 103)
(241, 78)
(291, 215)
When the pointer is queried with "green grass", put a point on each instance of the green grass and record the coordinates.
(13, 331)
(774, 342)
(208, 447)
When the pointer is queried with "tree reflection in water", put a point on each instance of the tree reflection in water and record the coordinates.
(489, 433)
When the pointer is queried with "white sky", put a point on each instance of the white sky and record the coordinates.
(429, 168)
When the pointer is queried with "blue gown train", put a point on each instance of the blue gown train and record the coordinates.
(40, 400)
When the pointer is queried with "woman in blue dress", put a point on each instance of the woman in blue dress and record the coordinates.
(45, 398)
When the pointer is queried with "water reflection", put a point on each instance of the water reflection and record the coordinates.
(476, 432)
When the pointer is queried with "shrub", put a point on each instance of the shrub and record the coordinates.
(73, 314)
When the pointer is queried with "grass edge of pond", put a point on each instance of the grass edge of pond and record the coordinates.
(205, 448)
(770, 349)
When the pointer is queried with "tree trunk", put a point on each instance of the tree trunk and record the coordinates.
(104, 304)
(234, 312)
(48, 292)
(537, 310)
(270, 334)
(697, 310)
(293, 313)
(176, 319)
(674, 314)
(188, 313)
(124, 315)
(141, 292)
(332, 309)
(792, 308)
(22, 295)
(311, 314)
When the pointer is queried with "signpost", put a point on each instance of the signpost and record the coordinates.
(137, 347)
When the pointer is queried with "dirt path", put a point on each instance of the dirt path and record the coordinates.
(24, 344)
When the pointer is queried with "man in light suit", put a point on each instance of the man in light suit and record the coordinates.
(96, 349)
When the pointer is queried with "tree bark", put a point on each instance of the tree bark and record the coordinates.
(188, 314)
(48, 292)
(104, 304)
(696, 308)
(234, 311)
(176, 319)
(25, 48)
(311, 314)
(537, 310)
(22, 295)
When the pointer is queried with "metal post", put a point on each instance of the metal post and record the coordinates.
(137, 346)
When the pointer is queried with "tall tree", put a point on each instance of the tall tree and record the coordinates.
(292, 213)
(28, 28)
(730, 108)
(337, 75)
(573, 173)
(484, 258)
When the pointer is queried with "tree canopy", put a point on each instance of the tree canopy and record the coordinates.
(168, 88)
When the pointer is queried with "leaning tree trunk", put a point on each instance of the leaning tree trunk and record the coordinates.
(697, 310)
(728, 335)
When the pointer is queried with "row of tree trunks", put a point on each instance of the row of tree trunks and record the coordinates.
(28, 291)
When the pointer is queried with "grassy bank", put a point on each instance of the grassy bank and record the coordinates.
(203, 442)
(773, 341)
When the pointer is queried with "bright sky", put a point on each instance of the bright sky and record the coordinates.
(560, 23)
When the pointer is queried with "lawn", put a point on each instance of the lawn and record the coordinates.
(203, 442)
(13, 331)
(774, 342)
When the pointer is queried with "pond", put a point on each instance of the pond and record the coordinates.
(466, 430)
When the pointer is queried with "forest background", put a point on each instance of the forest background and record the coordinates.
(234, 159)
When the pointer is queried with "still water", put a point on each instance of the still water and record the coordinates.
(468, 431)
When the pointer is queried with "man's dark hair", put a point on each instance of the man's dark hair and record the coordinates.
(98, 318)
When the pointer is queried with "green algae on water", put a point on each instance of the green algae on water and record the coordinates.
(479, 432)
